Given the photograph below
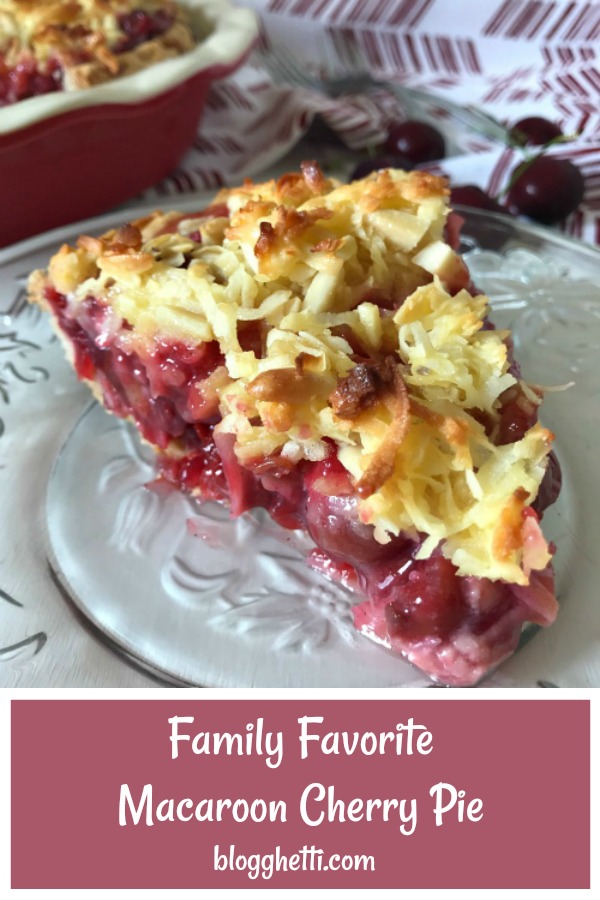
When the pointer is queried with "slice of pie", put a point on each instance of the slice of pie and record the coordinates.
(318, 350)
(72, 44)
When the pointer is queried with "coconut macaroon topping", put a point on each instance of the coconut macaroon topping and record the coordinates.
(368, 340)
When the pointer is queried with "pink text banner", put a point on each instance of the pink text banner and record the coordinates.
(299, 794)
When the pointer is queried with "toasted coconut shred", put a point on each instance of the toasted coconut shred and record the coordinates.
(305, 257)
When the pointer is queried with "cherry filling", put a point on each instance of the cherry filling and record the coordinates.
(140, 26)
(199, 470)
(429, 601)
(26, 79)
(455, 628)
(160, 389)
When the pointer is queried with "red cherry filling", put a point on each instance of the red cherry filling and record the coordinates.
(140, 26)
(200, 470)
(333, 522)
(420, 597)
(518, 414)
(412, 605)
(26, 79)
(158, 389)
(428, 602)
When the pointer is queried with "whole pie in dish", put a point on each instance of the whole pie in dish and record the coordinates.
(318, 350)
(72, 44)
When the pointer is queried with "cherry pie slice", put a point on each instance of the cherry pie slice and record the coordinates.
(72, 44)
(318, 350)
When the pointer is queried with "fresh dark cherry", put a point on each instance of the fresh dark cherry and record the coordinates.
(547, 189)
(473, 196)
(534, 131)
(429, 602)
(374, 163)
(417, 141)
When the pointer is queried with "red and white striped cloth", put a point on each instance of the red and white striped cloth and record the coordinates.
(510, 58)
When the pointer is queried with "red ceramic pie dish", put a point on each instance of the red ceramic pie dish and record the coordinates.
(70, 155)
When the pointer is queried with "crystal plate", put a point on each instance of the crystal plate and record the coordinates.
(197, 598)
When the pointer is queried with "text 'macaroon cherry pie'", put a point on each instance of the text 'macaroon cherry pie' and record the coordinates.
(318, 350)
